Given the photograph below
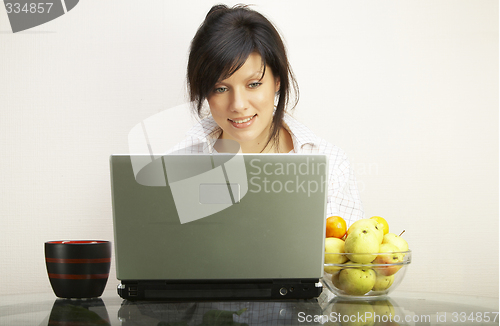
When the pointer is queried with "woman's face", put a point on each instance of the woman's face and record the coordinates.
(243, 104)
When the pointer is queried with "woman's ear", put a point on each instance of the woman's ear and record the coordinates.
(277, 85)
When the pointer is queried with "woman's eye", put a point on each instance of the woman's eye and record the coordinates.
(255, 85)
(220, 89)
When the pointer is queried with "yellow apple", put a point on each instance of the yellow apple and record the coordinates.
(357, 280)
(383, 282)
(335, 281)
(373, 224)
(396, 240)
(388, 255)
(363, 245)
(334, 247)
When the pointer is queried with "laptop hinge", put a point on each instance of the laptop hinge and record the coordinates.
(220, 290)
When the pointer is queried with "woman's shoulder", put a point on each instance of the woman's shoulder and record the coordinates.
(306, 141)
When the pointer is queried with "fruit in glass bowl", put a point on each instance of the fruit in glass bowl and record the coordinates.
(351, 279)
(367, 262)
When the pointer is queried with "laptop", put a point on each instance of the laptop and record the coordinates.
(219, 227)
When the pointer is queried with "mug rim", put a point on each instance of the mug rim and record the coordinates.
(76, 242)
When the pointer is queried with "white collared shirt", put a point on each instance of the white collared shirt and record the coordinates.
(343, 195)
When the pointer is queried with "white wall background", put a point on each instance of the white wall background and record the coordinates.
(409, 89)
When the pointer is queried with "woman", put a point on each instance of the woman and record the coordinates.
(238, 64)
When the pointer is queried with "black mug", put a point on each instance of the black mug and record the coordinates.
(78, 269)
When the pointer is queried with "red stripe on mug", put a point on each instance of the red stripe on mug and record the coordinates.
(78, 261)
(78, 277)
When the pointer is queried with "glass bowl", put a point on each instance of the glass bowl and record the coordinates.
(364, 275)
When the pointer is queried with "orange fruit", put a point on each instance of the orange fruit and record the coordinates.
(335, 227)
(382, 221)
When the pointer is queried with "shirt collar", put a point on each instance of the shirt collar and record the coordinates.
(207, 131)
(301, 135)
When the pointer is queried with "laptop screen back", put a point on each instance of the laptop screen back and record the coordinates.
(219, 217)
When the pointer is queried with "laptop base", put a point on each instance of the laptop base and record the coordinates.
(220, 290)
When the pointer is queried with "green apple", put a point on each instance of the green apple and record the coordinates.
(364, 243)
(388, 255)
(383, 282)
(357, 280)
(396, 240)
(377, 227)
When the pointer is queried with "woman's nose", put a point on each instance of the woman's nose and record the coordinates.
(240, 101)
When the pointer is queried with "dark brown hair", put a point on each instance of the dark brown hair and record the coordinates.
(221, 46)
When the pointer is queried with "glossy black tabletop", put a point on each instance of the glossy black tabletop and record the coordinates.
(399, 308)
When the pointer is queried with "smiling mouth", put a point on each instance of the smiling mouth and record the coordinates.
(242, 120)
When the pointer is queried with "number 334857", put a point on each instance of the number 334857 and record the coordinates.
(29, 8)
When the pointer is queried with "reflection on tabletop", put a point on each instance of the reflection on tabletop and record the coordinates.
(327, 309)
(217, 313)
(79, 312)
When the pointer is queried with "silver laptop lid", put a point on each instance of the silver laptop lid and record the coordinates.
(219, 217)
